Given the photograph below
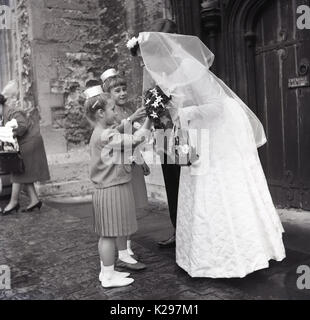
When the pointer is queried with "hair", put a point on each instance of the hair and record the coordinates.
(2, 99)
(164, 25)
(93, 104)
(160, 25)
(113, 82)
(92, 83)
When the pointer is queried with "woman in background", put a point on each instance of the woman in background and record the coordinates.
(31, 149)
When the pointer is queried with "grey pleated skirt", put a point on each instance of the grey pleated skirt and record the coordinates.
(114, 211)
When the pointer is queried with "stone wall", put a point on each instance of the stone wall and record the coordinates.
(73, 41)
(24, 54)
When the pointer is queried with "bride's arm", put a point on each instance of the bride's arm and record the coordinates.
(209, 111)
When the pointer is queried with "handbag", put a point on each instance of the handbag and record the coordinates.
(11, 162)
(185, 153)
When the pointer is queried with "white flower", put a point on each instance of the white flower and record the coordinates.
(185, 148)
(159, 99)
(131, 43)
(155, 104)
(154, 91)
(139, 38)
(154, 115)
(147, 101)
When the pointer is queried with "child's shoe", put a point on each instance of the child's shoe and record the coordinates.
(116, 274)
(115, 282)
(138, 266)
(125, 260)
(133, 255)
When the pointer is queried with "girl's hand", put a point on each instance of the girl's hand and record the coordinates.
(139, 114)
(146, 169)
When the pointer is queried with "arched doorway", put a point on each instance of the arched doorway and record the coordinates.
(264, 57)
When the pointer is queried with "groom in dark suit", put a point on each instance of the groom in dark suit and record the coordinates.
(171, 172)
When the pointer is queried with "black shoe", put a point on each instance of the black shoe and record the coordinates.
(170, 243)
(7, 212)
(36, 206)
(131, 266)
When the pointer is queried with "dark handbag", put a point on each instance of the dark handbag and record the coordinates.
(11, 162)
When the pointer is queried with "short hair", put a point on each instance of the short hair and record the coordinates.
(92, 83)
(164, 25)
(113, 82)
(93, 104)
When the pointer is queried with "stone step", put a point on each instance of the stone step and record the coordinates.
(69, 172)
(66, 188)
(70, 176)
(70, 166)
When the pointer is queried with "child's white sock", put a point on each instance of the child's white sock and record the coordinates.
(129, 248)
(110, 281)
(116, 274)
(107, 272)
(124, 256)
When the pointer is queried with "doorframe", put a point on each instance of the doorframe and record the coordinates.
(239, 36)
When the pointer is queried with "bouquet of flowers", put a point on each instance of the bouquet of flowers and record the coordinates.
(155, 102)
(156, 108)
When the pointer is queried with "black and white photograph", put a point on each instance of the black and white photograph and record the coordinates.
(154, 150)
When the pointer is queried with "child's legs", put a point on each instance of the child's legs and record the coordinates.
(129, 249)
(123, 253)
(109, 277)
(106, 247)
(121, 243)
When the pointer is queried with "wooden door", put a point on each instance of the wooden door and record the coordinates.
(282, 57)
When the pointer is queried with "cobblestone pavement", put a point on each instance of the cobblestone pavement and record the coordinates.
(53, 255)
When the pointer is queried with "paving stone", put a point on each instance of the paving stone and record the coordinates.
(53, 255)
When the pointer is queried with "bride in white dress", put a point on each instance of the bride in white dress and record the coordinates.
(227, 224)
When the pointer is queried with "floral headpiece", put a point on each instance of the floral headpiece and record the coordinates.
(133, 45)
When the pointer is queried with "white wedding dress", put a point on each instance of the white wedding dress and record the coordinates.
(227, 225)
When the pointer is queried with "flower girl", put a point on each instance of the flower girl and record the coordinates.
(116, 86)
(113, 200)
